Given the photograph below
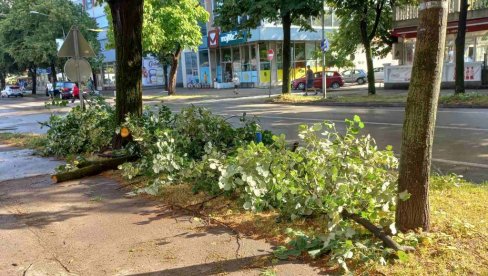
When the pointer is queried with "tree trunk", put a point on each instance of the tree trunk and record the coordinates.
(33, 73)
(460, 45)
(369, 57)
(2, 80)
(174, 70)
(54, 78)
(165, 76)
(420, 116)
(127, 18)
(127, 22)
(286, 21)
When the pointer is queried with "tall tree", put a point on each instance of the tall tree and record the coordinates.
(127, 17)
(249, 14)
(460, 45)
(420, 117)
(169, 27)
(30, 38)
(367, 23)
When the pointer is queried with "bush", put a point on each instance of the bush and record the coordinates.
(81, 131)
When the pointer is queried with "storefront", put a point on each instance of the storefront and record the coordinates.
(246, 56)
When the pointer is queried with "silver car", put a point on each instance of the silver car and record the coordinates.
(354, 75)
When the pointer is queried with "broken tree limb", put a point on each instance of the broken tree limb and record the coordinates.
(378, 232)
(92, 168)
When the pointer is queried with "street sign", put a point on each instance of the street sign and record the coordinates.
(68, 48)
(324, 45)
(270, 54)
(85, 72)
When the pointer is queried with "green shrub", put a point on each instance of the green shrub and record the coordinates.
(81, 131)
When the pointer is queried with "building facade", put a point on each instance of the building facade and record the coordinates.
(476, 47)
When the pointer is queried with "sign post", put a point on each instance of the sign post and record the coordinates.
(76, 46)
(324, 46)
(270, 58)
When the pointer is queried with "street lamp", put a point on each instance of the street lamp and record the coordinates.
(43, 14)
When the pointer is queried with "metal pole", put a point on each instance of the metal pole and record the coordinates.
(77, 59)
(270, 74)
(324, 79)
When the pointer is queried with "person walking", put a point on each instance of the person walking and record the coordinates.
(309, 77)
(76, 92)
(236, 82)
(49, 88)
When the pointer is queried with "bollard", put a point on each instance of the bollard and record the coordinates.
(259, 137)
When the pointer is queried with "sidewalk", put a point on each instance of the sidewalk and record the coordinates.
(89, 227)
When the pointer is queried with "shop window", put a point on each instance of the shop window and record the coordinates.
(191, 66)
(236, 59)
(299, 51)
(226, 55)
(481, 47)
(263, 51)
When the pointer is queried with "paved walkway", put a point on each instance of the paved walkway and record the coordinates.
(89, 227)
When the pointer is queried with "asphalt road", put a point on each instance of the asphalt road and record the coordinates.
(461, 137)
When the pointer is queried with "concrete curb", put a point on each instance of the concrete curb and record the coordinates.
(379, 105)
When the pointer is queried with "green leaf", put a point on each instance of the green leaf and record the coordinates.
(402, 256)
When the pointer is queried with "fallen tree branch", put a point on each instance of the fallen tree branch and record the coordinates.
(378, 232)
(90, 168)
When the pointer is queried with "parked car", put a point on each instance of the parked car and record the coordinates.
(333, 80)
(379, 74)
(355, 75)
(12, 90)
(62, 89)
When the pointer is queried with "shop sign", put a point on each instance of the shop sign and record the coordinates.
(213, 38)
(232, 38)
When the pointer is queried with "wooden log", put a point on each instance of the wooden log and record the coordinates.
(92, 168)
(378, 232)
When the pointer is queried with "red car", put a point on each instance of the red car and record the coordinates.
(333, 78)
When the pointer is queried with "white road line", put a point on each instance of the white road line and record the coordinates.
(451, 162)
(365, 122)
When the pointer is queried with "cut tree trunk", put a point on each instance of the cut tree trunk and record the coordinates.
(89, 168)
(127, 18)
(174, 69)
(420, 117)
(2, 80)
(286, 21)
(460, 46)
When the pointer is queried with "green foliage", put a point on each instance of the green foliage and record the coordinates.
(81, 131)
(29, 39)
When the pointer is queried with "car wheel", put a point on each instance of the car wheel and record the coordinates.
(301, 86)
(335, 85)
(361, 81)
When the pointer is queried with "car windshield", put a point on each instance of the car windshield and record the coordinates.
(64, 85)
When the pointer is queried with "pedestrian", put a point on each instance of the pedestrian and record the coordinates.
(236, 82)
(49, 88)
(309, 77)
(90, 86)
(76, 92)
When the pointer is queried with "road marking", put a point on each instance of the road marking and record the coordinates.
(365, 122)
(469, 164)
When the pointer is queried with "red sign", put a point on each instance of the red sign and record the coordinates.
(213, 38)
(270, 54)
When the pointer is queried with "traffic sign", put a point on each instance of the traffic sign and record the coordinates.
(324, 45)
(270, 54)
(75, 45)
(71, 66)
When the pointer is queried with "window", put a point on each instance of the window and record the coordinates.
(88, 4)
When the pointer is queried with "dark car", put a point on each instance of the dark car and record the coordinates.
(62, 89)
(333, 80)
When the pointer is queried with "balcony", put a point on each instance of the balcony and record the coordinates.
(411, 12)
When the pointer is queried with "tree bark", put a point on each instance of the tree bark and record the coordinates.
(2, 80)
(174, 70)
(420, 117)
(286, 22)
(366, 41)
(33, 73)
(460, 46)
(165, 76)
(54, 78)
(127, 16)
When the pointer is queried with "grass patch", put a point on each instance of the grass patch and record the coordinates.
(457, 245)
(473, 99)
(23, 140)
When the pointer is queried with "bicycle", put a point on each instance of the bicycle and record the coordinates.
(194, 84)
